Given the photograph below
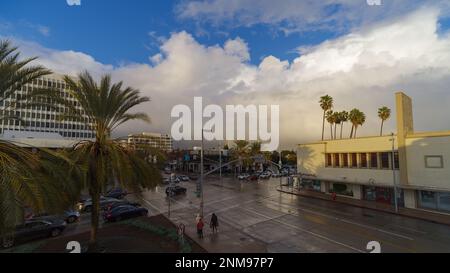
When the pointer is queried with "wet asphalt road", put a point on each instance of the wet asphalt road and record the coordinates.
(255, 217)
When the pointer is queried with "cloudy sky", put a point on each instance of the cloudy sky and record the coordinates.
(287, 52)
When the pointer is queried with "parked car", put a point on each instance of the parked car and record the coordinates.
(124, 212)
(86, 206)
(243, 176)
(184, 178)
(34, 229)
(121, 203)
(252, 177)
(69, 216)
(264, 176)
(193, 177)
(117, 193)
(175, 190)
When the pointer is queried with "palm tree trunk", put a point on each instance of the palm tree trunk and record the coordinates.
(323, 124)
(381, 130)
(356, 128)
(93, 247)
(342, 125)
(351, 132)
(331, 130)
(335, 131)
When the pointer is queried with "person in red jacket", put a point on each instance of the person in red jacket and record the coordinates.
(200, 226)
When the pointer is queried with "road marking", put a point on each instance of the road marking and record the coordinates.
(346, 221)
(305, 230)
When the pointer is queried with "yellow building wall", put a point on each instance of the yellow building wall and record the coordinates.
(418, 175)
(311, 160)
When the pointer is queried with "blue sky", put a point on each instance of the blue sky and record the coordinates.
(117, 31)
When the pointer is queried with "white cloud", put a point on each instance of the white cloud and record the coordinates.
(73, 2)
(362, 69)
(293, 15)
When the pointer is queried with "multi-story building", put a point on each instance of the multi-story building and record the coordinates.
(39, 125)
(163, 142)
(368, 168)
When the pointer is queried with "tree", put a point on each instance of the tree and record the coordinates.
(105, 161)
(326, 103)
(357, 118)
(343, 117)
(384, 113)
(331, 120)
(23, 173)
(337, 121)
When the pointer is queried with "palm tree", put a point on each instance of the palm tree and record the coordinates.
(353, 118)
(337, 120)
(358, 118)
(105, 161)
(22, 172)
(241, 151)
(326, 103)
(384, 113)
(343, 117)
(331, 120)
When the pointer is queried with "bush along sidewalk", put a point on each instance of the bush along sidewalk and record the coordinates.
(171, 233)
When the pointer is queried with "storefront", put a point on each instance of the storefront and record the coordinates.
(311, 184)
(381, 195)
(434, 200)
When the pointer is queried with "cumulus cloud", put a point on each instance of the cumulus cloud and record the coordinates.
(362, 69)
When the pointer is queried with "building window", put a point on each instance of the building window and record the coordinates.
(428, 199)
(373, 160)
(385, 160)
(345, 160)
(337, 162)
(328, 162)
(434, 161)
(354, 160)
(363, 160)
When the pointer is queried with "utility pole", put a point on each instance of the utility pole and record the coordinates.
(393, 173)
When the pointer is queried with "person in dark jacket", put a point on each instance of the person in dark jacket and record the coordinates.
(214, 223)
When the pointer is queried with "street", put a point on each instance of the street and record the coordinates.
(255, 217)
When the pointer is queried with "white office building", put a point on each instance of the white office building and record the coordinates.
(163, 142)
(39, 125)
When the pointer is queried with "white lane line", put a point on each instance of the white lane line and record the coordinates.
(347, 221)
(305, 230)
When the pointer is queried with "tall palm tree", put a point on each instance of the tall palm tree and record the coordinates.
(360, 119)
(384, 113)
(21, 171)
(326, 103)
(240, 150)
(105, 160)
(353, 118)
(343, 116)
(331, 120)
(337, 121)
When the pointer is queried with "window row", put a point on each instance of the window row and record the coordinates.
(27, 123)
(378, 160)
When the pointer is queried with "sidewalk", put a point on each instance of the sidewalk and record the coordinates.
(413, 213)
(227, 240)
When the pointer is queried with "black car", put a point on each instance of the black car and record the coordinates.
(124, 212)
(121, 203)
(86, 206)
(34, 229)
(175, 190)
(70, 216)
(117, 193)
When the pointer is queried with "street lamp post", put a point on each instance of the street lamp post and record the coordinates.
(393, 173)
(280, 166)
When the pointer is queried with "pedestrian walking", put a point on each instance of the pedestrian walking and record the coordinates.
(200, 225)
(333, 195)
(181, 229)
(214, 223)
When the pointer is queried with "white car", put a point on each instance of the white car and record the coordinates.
(243, 176)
